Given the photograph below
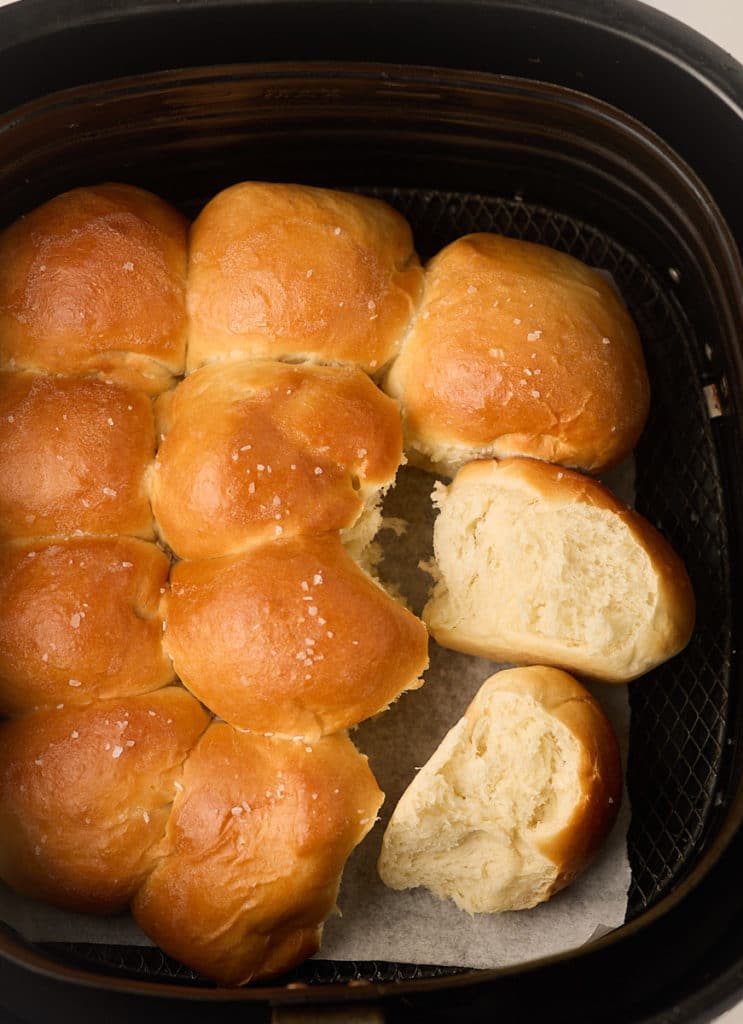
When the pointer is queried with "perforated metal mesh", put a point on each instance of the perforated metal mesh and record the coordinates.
(678, 711)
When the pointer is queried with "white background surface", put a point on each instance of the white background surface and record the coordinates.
(722, 22)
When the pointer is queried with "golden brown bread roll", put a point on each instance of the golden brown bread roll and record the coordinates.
(518, 349)
(516, 801)
(291, 638)
(94, 281)
(539, 563)
(287, 271)
(79, 619)
(258, 450)
(85, 792)
(254, 851)
(73, 454)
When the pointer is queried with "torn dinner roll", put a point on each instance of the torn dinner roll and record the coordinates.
(257, 450)
(294, 272)
(515, 802)
(85, 794)
(292, 638)
(73, 454)
(94, 281)
(539, 564)
(79, 619)
(518, 349)
(254, 851)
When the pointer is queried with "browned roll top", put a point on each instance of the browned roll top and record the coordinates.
(94, 281)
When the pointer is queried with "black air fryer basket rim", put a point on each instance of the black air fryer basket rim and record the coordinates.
(89, 978)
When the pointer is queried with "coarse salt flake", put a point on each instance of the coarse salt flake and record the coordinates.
(117, 752)
(74, 682)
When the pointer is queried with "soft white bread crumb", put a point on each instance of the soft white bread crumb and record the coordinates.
(514, 803)
(538, 563)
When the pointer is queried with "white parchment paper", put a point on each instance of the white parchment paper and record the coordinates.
(376, 923)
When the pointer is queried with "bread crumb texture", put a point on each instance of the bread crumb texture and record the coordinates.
(497, 818)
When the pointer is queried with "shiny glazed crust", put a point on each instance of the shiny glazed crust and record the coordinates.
(254, 851)
(292, 637)
(288, 271)
(73, 455)
(85, 792)
(251, 451)
(94, 281)
(518, 349)
(79, 618)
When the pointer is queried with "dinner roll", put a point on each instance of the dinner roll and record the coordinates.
(291, 638)
(516, 800)
(79, 619)
(94, 281)
(73, 453)
(262, 449)
(536, 563)
(85, 792)
(519, 350)
(254, 852)
(288, 271)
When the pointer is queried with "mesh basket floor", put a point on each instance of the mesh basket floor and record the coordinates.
(680, 710)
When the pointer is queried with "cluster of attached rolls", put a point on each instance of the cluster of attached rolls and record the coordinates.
(117, 787)
(174, 550)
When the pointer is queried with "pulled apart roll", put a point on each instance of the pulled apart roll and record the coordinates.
(535, 563)
(515, 802)
(79, 619)
(85, 793)
(292, 638)
(95, 281)
(73, 454)
(254, 851)
(518, 349)
(288, 271)
(258, 450)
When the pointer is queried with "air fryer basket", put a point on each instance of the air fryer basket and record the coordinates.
(459, 151)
